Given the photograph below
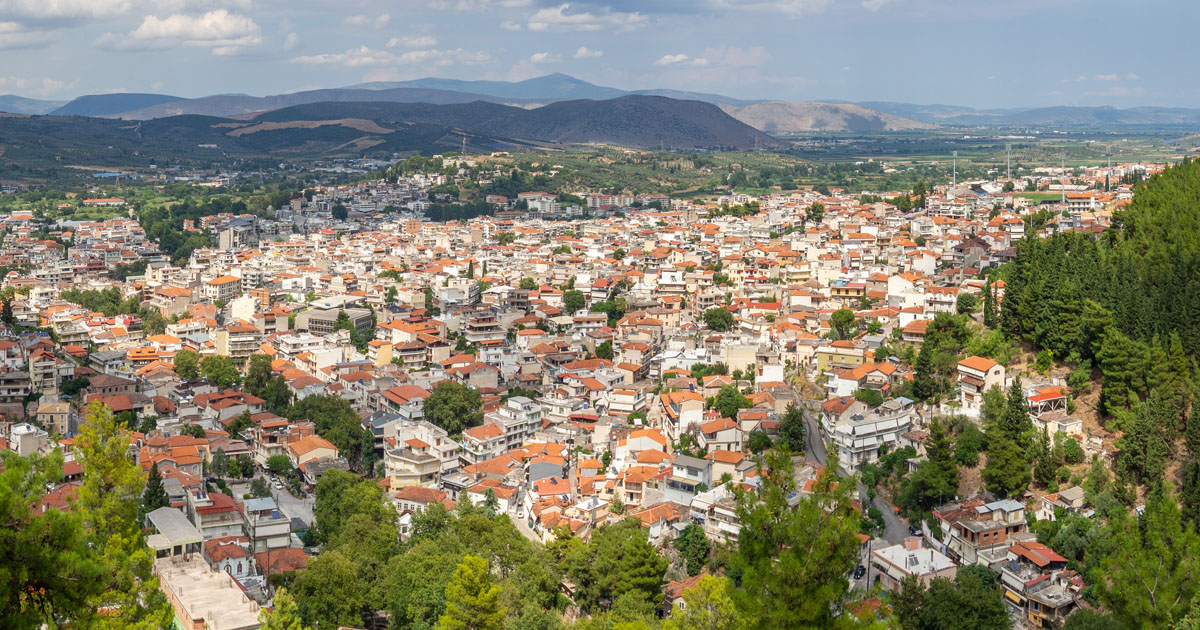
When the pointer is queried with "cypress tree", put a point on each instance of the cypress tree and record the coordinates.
(154, 496)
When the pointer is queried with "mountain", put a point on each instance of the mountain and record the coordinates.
(783, 117)
(552, 87)
(646, 121)
(20, 105)
(108, 104)
(237, 105)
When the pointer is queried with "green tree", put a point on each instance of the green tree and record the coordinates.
(842, 323)
(329, 593)
(528, 284)
(990, 315)
(573, 301)
(972, 600)
(187, 365)
(707, 606)
(285, 615)
(729, 401)
(220, 371)
(154, 496)
(192, 430)
(454, 407)
(792, 429)
(816, 212)
(966, 302)
(108, 500)
(693, 546)
(258, 373)
(605, 350)
(339, 212)
(279, 465)
(259, 488)
(924, 381)
(936, 479)
(617, 560)
(472, 600)
(793, 570)
(220, 463)
(718, 319)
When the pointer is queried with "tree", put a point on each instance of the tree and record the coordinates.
(793, 570)
(220, 463)
(337, 421)
(244, 465)
(718, 319)
(472, 600)
(284, 616)
(707, 606)
(966, 302)
(693, 547)
(220, 371)
(108, 502)
(990, 315)
(341, 495)
(240, 423)
(842, 322)
(573, 301)
(339, 212)
(729, 401)
(792, 429)
(454, 407)
(936, 479)
(258, 373)
(279, 464)
(618, 560)
(758, 441)
(187, 365)
(528, 284)
(816, 212)
(192, 430)
(924, 385)
(329, 593)
(259, 488)
(972, 600)
(154, 496)
(605, 350)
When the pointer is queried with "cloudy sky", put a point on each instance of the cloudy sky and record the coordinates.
(983, 53)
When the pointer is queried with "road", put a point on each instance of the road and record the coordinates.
(894, 530)
(293, 507)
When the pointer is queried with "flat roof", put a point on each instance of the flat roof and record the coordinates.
(208, 594)
(173, 529)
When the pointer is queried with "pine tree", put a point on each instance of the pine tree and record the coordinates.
(924, 385)
(1043, 467)
(1016, 421)
(472, 601)
(989, 305)
(154, 496)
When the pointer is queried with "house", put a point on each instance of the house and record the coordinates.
(976, 375)
(981, 533)
(57, 418)
(891, 565)
(859, 437)
(689, 476)
(265, 524)
(1036, 582)
(215, 514)
(311, 448)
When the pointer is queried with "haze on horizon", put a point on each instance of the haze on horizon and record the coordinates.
(1009, 53)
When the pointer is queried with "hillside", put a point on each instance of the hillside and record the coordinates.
(647, 121)
(20, 105)
(784, 117)
(108, 104)
(239, 104)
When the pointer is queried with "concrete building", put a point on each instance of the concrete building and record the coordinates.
(890, 565)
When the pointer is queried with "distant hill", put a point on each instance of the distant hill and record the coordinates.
(646, 121)
(783, 117)
(107, 104)
(236, 105)
(20, 105)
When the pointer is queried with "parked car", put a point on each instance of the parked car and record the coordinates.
(913, 530)
(859, 572)
(278, 486)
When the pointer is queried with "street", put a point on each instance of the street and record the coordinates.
(894, 530)
(293, 507)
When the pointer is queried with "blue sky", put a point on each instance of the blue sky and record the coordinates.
(1001, 53)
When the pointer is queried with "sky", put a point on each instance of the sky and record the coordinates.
(979, 53)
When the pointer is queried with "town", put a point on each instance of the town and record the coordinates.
(314, 396)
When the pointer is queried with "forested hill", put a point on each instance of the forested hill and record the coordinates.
(1127, 302)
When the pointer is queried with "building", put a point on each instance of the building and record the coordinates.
(267, 527)
(976, 375)
(891, 565)
(858, 437)
(981, 533)
(519, 419)
(223, 288)
(1037, 585)
(321, 321)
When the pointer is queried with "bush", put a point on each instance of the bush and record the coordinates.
(970, 443)
(1064, 474)
(1073, 451)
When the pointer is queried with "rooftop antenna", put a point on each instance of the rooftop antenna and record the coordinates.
(954, 180)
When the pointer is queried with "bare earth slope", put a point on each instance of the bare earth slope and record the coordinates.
(785, 117)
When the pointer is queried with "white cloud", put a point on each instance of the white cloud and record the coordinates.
(36, 87)
(477, 5)
(365, 57)
(544, 57)
(14, 35)
(222, 32)
(586, 53)
(793, 8)
(292, 41)
(62, 10)
(1106, 77)
(669, 60)
(419, 41)
(732, 57)
(363, 20)
(509, 25)
(1132, 77)
(560, 19)
(874, 5)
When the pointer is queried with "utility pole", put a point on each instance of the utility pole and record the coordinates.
(954, 180)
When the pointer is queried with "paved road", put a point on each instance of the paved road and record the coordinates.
(894, 530)
(293, 507)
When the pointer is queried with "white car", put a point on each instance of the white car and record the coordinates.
(278, 486)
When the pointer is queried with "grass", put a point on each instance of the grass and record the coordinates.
(1039, 196)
